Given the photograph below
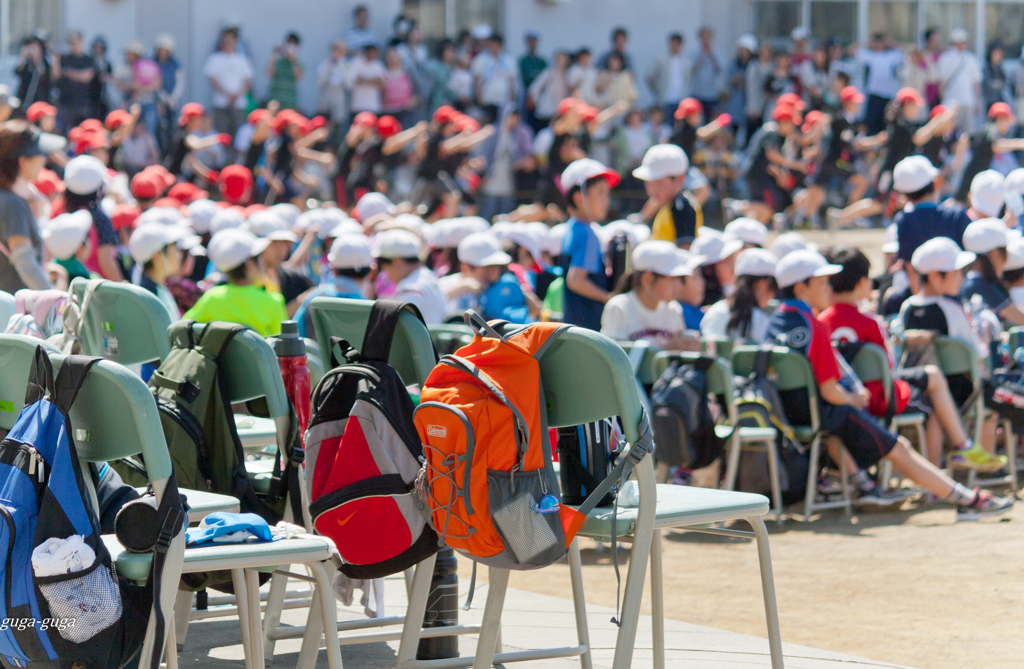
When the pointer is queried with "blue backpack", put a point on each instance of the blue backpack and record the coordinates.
(79, 613)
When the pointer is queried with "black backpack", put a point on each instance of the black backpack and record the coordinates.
(684, 428)
(758, 404)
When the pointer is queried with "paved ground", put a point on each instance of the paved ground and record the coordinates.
(531, 621)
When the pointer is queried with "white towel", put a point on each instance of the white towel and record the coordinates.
(62, 556)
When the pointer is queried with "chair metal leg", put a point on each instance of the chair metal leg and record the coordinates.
(633, 593)
(238, 581)
(773, 474)
(768, 588)
(311, 636)
(415, 611)
(252, 597)
(497, 640)
(1011, 454)
(329, 616)
(657, 602)
(408, 574)
(844, 479)
(579, 603)
(272, 616)
(492, 619)
(171, 645)
(182, 611)
(812, 478)
(733, 465)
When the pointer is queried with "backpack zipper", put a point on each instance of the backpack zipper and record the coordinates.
(36, 464)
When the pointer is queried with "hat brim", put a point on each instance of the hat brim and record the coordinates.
(499, 259)
(891, 247)
(259, 247)
(45, 145)
(283, 236)
(687, 267)
(730, 247)
(827, 270)
(963, 259)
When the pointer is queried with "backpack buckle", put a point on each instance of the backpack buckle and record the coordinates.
(167, 530)
(298, 455)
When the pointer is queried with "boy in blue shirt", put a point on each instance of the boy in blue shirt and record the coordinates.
(351, 260)
(587, 186)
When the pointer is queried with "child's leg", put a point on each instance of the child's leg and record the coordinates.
(933, 439)
(944, 406)
(988, 433)
(914, 466)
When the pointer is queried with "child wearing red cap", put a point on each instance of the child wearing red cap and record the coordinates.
(688, 128)
(43, 115)
(769, 172)
(992, 140)
(187, 140)
(235, 184)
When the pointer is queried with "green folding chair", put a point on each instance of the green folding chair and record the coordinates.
(871, 363)
(1016, 339)
(720, 384)
(642, 360)
(449, 337)
(121, 322)
(792, 371)
(7, 308)
(717, 346)
(98, 438)
(587, 377)
(959, 357)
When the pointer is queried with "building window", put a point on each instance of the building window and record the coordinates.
(27, 17)
(428, 15)
(834, 19)
(776, 19)
(895, 20)
(947, 16)
(1005, 22)
(435, 22)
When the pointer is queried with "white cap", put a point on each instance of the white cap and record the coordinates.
(350, 252)
(912, 174)
(397, 243)
(262, 223)
(583, 170)
(308, 220)
(984, 235)
(200, 213)
(987, 189)
(714, 245)
(288, 211)
(230, 248)
(1015, 180)
(606, 233)
(558, 233)
(958, 35)
(749, 230)
(349, 226)
(481, 31)
(330, 218)
(482, 249)
(1014, 255)
(65, 234)
(799, 33)
(802, 265)
(164, 41)
(756, 262)
(160, 215)
(371, 204)
(547, 241)
(661, 161)
(448, 232)
(193, 244)
(226, 219)
(662, 258)
(788, 242)
(748, 42)
(940, 254)
(150, 238)
(892, 240)
(84, 175)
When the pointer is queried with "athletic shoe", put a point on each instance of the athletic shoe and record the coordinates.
(876, 497)
(832, 215)
(984, 506)
(976, 458)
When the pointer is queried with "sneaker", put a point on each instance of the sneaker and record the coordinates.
(978, 459)
(876, 497)
(832, 215)
(984, 506)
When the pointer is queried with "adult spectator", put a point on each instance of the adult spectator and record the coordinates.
(399, 93)
(508, 153)
(360, 36)
(104, 75)
(882, 61)
(74, 72)
(620, 38)
(494, 78)
(23, 153)
(582, 77)
(798, 53)
(960, 80)
(736, 76)
(34, 71)
(932, 51)
(438, 71)
(547, 90)
(994, 80)
(668, 78)
(755, 78)
(139, 79)
(230, 75)
(366, 81)
(331, 81)
(284, 72)
(530, 63)
(918, 71)
(172, 86)
(706, 74)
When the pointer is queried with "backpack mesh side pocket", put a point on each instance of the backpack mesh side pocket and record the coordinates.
(89, 603)
(531, 537)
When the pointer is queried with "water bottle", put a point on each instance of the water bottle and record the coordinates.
(291, 357)
(442, 608)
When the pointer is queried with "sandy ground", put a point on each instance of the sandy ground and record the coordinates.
(911, 587)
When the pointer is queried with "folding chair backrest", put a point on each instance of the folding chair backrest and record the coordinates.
(449, 337)
(1016, 339)
(872, 364)
(957, 357)
(723, 347)
(719, 376)
(251, 368)
(792, 372)
(646, 373)
(412, 353)
(16, 355)
(7, 308)
(123, 323)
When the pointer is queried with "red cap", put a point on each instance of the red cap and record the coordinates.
(190, 111)
(1000, 110)
(567, 105)
(724, 120)
(90, 140)
(313, 124)
(365, 119)
(809, 120)
(444, 114)
(163, 174)
(212, 176)
(851, 94)
(186, 192)
(687, 107)
(256, 115)
(463, 123)
(586, 113)
(146, 186)
(786, 113)
(49, 183)
(91, 124)
(792, 100)
(168, 202)
(37, 110)
(388, 126)
(234, 181)
(936, 110)
(908, 94)
(116, 119)
(253, 208)
(124, 216)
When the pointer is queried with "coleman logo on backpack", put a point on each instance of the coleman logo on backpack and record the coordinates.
(438, 431)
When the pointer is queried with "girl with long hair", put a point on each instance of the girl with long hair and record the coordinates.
(741, 316)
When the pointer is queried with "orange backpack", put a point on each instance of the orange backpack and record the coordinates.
(487, 480)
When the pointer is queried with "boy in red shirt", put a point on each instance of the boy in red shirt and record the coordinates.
(918, 389)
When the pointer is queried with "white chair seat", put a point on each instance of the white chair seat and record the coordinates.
(908, 419)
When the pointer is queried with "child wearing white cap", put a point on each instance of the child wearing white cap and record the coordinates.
(65, 238)
(741, 316)
(719, 251)
(644, 306)
(988, 238)
(672, 212)
(481, 263)
(398, 257)
(351, 261)
(154, 247)
(1013, 271)
(803, 278)
(923, 218)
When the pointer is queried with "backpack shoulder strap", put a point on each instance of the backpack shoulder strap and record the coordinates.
(761, 360)
(40, 380)
(69, 380)
(380, 327)
(171, 520)
(215, 337)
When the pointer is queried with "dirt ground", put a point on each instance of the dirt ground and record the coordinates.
(911, 587)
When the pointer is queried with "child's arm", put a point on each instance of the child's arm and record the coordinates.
(833, 393)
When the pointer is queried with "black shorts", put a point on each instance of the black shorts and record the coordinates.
(765, 189)
(917, 379)
(861, 433)
(833, 169)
